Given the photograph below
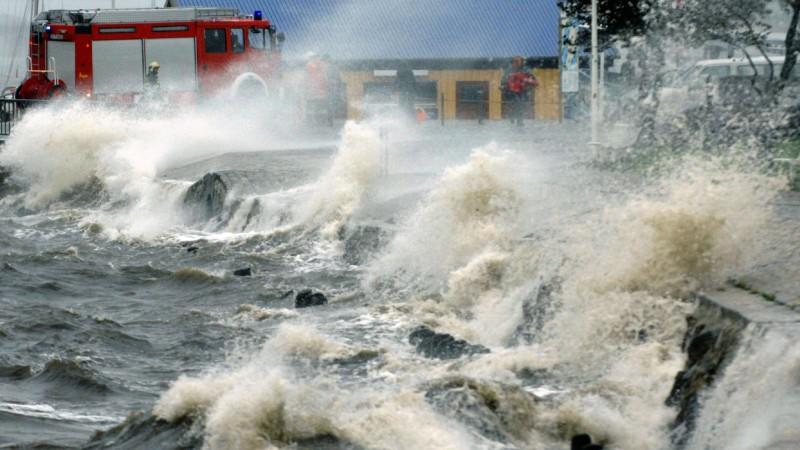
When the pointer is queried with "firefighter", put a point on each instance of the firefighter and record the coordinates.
(516, 86)
(152, 76)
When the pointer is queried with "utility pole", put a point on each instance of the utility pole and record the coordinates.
(595, 143)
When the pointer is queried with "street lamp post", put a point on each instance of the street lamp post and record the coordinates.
(595, 142)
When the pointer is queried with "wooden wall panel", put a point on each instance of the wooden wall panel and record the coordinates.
(546, 99)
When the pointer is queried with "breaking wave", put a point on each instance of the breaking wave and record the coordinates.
(338, 193)
(696, 228)
(472, 211)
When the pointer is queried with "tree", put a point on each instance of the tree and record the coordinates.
(617, 19)
(792, 40)
(742, 25)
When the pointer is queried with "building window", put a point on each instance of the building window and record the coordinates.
(472, 99)
(169, 28)
(427, 99)
(379, 92)
(118, 30)
(215, 40)
(237, 40)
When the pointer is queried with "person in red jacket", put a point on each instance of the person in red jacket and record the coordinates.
(517, 85)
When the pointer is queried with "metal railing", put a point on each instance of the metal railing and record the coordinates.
(11, 112)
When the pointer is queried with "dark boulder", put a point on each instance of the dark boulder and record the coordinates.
(583, 442)
(579, 441)
(537, 309)
(205, 199)
(441, 345)
(711, 341)
(362, 242)
(499, 412)
(307, 298)
(246, 272)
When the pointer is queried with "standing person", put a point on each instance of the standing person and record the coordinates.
(152, 76)
(406, 87)
(152, 87)
(517, 84)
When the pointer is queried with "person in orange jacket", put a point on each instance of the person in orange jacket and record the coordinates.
(517, 85)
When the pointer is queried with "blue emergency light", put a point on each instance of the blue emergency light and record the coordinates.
(47, 28)
(258, 15)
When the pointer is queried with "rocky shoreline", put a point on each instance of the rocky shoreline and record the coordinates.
(713, 339)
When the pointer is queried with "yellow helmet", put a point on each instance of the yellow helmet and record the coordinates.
(154, 65)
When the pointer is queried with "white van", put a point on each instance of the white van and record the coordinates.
(692, 87)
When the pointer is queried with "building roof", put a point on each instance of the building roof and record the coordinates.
(408, 29)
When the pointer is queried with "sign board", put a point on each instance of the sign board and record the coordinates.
(569, 56)
(570, 81)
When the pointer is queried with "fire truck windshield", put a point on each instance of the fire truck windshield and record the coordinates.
(257, 38)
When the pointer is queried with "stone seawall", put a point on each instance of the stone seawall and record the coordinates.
(712, 341)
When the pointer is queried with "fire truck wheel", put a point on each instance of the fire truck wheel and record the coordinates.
(56, 91)
(249, 86)
(17, 95)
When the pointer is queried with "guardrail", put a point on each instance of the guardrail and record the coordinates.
(11, 111)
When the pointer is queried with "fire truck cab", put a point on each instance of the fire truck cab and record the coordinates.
(105, 53)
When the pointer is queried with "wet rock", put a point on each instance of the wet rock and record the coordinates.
(441, 345)
(710, 343)
(205, 199)
(537, 309)
(362, 242)
(255, 211)
(579, 441)
(307, 298)
(246, 272)
(699, 346)
(499, 412)
(91, 192)
(583, 442)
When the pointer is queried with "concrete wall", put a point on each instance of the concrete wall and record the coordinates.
(727, 325)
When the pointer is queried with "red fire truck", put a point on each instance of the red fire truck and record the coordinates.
(105, 53)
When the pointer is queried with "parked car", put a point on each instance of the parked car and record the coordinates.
(700, 83)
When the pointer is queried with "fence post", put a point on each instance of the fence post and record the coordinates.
(484, 103)
(441, 109)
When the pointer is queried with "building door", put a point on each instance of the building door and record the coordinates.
(472, 99)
